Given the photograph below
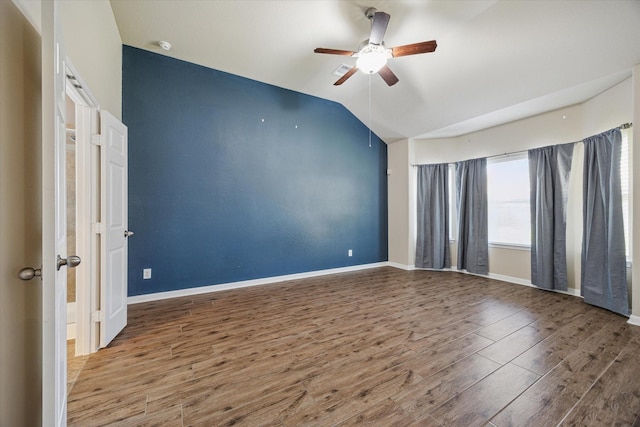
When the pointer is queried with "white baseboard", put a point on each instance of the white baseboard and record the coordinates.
(501, 277)
(634, 320)
(573, 292)
(247, 283)
(401, 266)
(511, 279)
(518, 281)
(455, 270)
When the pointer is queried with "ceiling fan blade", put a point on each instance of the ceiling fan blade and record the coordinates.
(344, 78)
(333, 51)
(414, 48)
(378, 27)
(388, 75)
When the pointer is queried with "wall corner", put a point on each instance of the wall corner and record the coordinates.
(398, 184)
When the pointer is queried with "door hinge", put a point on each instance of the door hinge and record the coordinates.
(98, 228)
(96, 139)
(97, 316)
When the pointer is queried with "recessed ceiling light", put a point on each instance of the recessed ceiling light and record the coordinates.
(165, 45)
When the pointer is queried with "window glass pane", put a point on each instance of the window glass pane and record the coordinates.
(624, 186)
(453, 224)
(508, 197)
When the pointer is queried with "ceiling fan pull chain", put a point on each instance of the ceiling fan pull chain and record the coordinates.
(369, 111)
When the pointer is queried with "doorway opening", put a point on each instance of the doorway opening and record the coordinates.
(96, 187)
(71, 214)
(82, 188)
(81, 195)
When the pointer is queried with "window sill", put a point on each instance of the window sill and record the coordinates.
(513, 246)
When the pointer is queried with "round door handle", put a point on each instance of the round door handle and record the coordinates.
(71, 261)
(29, 273)
(128, 233)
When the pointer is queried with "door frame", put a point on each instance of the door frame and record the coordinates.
(54, 283)
(87, 196)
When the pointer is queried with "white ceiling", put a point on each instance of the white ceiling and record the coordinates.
(496, 61)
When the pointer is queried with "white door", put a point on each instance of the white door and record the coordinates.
(113, 287)
(54, 222)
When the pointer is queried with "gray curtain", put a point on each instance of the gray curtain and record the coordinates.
(432, 246)
(549, 169)
(471, 195)
(604, 273)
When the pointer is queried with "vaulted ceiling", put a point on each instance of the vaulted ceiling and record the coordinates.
(496, 61)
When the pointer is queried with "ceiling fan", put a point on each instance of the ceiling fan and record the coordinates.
(373, 55)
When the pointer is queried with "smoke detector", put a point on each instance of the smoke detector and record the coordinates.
(165, 45)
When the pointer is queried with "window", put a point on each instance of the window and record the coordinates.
(508, 200)
(624, 186)
(453, 220)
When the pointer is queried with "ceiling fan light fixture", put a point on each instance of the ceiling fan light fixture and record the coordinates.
(371, 58)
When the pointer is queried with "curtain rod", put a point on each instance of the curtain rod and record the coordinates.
(515, 153)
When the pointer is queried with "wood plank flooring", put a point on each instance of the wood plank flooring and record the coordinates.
(378, 347)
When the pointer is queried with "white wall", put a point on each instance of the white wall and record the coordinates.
(94, 47)
(398, 182)
(605, 111)
(608, 110)
(556, 127)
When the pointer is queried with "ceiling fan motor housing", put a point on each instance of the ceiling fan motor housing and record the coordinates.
(370, 12)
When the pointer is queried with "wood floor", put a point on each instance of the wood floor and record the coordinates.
(379, 347)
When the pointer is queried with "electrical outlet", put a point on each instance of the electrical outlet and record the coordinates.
(146, 273)
(350, 253)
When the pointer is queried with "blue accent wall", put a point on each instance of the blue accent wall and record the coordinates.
(231, 179)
